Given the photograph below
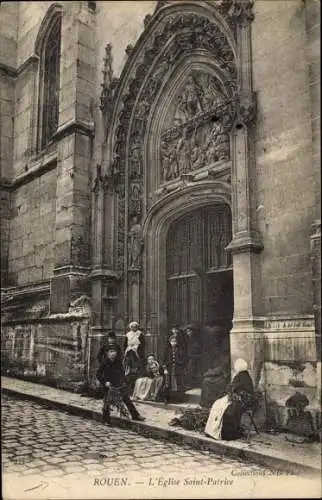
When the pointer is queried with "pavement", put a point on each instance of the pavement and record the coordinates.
(52, 454)
(272, 451)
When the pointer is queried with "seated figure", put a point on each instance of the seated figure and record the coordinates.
(148, 388)
(226, 412)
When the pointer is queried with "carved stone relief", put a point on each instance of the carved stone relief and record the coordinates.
(192, 140)
(197, 136)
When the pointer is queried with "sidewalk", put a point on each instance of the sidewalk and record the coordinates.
(267, 450)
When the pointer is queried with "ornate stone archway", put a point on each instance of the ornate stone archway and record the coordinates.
(200, 50)
(161, 216)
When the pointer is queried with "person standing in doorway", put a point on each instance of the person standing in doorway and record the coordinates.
(194, 356)
(174, 363)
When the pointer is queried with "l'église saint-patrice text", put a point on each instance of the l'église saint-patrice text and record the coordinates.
(165, 482)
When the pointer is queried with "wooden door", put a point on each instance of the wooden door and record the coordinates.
(195, 254)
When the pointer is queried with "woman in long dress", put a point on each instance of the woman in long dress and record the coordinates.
(148, 388)
(175, 358)
(225, 415)
(134, 347)
(194, 356)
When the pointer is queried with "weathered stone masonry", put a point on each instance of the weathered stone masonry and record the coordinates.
(84, 222)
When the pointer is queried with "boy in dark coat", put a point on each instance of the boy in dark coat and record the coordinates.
(109, 341)
(111, 375)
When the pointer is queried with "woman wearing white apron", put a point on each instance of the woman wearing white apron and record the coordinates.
(133, 354)
(225, 414)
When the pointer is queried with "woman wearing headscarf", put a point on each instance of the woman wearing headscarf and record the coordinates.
(148, 388)
(225, 415)
(134, 351)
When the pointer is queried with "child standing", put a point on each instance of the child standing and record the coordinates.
(111, 376)
(174, 365)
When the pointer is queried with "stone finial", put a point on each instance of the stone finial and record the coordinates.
(109, 82)
(241, 11)
(129, 49)
(108, 69)
(147, 20)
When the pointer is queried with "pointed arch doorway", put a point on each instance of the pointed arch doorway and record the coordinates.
(200, 278)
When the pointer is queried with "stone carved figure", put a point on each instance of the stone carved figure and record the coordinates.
(191, 99)
(217, 145)
(198, 157)
(135, 243)
(183, 153)
(135, 199)
(201, 94)
(169, 162)
(211, 98)
(142, 109)
(135, 158)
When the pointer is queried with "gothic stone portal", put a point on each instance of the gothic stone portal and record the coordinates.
(200, 280)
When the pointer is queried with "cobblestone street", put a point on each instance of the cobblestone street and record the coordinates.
(43, 447)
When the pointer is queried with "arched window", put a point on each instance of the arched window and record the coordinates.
(49, 83)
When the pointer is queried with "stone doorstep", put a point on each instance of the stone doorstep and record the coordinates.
(292, 461)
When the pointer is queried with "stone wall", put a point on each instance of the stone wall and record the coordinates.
(8, 49)
(50, 210)
(286, 176)
(32, 230)
(8, 32)
(54, 349)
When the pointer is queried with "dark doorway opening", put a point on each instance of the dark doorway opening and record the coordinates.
(200, 280)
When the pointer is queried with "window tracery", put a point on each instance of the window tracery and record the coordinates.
(49, 84)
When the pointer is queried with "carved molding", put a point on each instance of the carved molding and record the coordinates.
(246, 241)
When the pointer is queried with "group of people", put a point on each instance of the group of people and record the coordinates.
(166, 381)
(140, 377)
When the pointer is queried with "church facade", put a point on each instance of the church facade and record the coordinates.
(160, 163)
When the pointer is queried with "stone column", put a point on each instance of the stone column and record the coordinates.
(313, 30)
(74, 137)
(246, 340)
(103, 276)
(316, 279)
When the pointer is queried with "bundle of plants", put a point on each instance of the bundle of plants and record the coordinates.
(192, 419)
